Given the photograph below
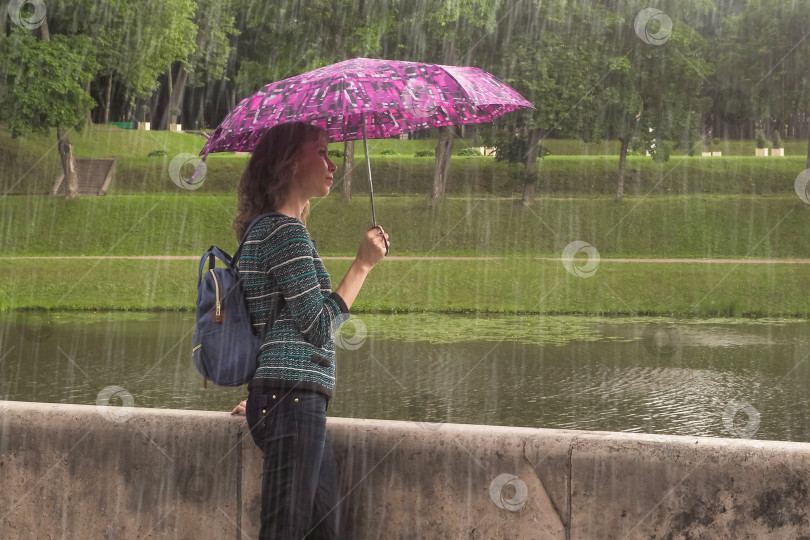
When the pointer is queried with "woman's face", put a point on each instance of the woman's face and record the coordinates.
(313, 169)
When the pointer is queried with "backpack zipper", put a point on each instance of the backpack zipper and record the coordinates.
(216, 284)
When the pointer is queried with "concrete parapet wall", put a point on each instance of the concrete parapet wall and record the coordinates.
(75, 471)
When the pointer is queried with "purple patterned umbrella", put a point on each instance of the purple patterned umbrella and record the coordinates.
(365, 98)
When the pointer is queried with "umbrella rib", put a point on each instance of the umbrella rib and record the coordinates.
(460, 86)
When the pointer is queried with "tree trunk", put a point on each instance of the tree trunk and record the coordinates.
(622, 162)
(63, 146)
(107, 100)
(44, 32)
(529, 164)
(154, 115)
(348, 169)
(444, 149)
(176, 94)
(71, 180)
(528, 194)
(164, 118)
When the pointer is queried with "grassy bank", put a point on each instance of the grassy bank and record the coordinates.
(729, 207)
(532, 286)
(31, 164)
(652, 227)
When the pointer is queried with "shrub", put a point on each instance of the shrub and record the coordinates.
(388, 152)
(762, 141)
(777, 139)
(513, 150)
(716, 141)
(158, 153)
(469, 152)
(426, 153)
(335, 153)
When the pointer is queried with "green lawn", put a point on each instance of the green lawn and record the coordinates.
(187, 223)
(519, 285)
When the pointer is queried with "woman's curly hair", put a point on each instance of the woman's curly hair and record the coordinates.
(268, 174)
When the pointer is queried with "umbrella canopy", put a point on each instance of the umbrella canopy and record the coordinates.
(364, 98)
(368, 98)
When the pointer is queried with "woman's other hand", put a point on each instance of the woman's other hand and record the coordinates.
(373, 247)
(239, 409)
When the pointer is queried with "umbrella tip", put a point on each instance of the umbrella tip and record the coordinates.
(199, 171)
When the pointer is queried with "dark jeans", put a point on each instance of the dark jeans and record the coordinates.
(299, 475)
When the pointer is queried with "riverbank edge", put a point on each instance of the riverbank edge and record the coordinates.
(81, 470)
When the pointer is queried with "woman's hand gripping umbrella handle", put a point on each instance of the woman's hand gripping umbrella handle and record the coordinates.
(372, 249)
(384, 237)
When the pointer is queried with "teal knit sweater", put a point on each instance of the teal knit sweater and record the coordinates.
(286, 282)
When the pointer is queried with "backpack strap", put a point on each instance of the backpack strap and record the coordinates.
(210, 256)
(258, 218)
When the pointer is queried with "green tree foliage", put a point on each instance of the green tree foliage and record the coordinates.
(765, 52)
(589, 68)
(135, 39)
(283, 38)
(41, 81)
(47, 73)
(454, 33)
(547, 54)
(215, 27)
(651, 89)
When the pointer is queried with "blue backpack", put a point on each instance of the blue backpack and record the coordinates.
(225, 347)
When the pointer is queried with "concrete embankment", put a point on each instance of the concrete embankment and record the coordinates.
(75, 471)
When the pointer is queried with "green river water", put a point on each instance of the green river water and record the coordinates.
(722, 377)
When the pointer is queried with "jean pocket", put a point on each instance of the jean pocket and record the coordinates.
(256, 413)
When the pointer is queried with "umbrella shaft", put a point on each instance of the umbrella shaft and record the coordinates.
(370, 184)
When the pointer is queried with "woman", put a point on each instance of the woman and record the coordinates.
(288, 289)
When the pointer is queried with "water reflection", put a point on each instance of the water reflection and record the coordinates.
(629, 374)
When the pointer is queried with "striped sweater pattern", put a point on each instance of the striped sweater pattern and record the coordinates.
(286, 286)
